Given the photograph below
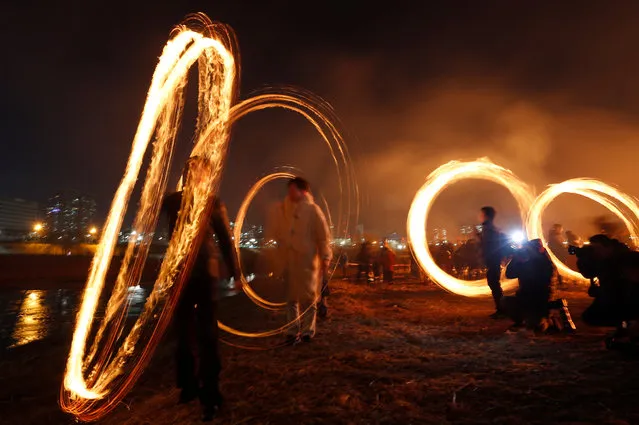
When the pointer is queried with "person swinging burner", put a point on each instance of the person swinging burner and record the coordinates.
(195, 315)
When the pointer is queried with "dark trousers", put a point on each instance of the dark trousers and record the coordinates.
(602, 314)
(363, 271)
(197, 338)
(388, 275)
(322, 304)
(493, 275)
(528, 310)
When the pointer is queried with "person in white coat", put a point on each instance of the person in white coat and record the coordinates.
(301, 232)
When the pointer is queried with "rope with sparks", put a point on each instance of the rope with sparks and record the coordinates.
(97, 379)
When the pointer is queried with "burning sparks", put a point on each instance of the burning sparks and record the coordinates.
(113, 363)
(436, 182)
(239, 222)
(85, 397)
(622, 205)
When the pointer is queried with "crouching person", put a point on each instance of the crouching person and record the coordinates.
(532, 266)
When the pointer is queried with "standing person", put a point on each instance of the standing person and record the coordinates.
(491, 240)
(303, 240)
(557, 242)
(557, 245)
(572, 239)
(387, 260)
(364, 261)
(196, 312)
(343, 263)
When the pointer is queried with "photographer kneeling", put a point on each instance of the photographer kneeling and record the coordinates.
(613, 270)
(532, 266)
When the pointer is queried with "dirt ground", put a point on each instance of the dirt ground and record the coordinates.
(399, 354)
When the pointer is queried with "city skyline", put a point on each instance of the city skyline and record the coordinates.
(482, 96)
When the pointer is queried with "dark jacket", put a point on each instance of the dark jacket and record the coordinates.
(491, 242)
(216, 241)
(535, 274)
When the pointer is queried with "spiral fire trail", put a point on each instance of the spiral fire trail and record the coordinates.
(436, 182)
(239, 222)
(96, 379)
(622, 205)
(237, 233)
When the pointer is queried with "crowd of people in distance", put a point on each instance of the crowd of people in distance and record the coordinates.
(372, 265)
(304, 253)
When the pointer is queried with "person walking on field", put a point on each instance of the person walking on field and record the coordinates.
(195, 315)
(303, 240)
(492, 240)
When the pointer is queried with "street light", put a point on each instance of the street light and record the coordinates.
(93, 231)
(37, 227)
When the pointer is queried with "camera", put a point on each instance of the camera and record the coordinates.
(586, 251)
(586, 262)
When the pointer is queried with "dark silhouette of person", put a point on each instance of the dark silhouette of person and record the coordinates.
(613, 269)
(364, 261)
(195, 315)
(491, 241)
(557, 245)
(534, 270)
(387, 260)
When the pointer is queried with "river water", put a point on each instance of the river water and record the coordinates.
(32, 315)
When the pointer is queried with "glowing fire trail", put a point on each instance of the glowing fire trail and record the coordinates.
(161, 115)
(102, 371)
(436, 182)
(239, 222)
(622, 205)
(237, 234)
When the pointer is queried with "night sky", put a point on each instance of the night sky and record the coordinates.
(548, 89)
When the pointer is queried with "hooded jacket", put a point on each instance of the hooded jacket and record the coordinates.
(303, 241)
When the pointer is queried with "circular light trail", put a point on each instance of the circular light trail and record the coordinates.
(105, 369)
(104, 361)
(436, 182)
(622, 205)
(237, 233)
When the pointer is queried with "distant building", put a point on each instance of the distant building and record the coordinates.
(252, 237)
(69, 217)
(439, 236)
(466, 232)
(17, 218)
(396, 241)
